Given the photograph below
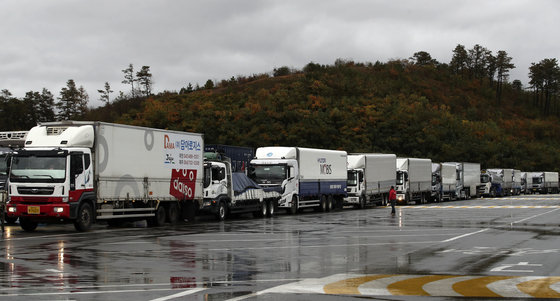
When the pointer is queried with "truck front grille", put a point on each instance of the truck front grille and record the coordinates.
(36, 190)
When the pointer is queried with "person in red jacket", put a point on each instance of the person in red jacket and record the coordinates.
(393, 199)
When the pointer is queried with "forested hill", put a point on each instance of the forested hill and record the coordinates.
(414, 109)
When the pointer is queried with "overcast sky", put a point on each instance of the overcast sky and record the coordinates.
(46, 42)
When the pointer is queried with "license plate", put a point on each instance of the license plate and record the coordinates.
(33, 210)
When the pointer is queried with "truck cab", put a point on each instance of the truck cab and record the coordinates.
(278, 175)
(48, 183)
(402, 186)
(355, 186)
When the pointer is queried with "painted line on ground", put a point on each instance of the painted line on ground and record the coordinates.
(482, 207)
(178, 295)
(424, 285)
(465, 235)
(536, 215)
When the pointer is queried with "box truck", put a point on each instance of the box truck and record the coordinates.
(370, 177)
(227, 192)
(414, 178)
(9, 141)
(467, 177)
(517, 182)
(544, 182)
(496, 182)
(305, 177)
(444, 181)
(83, 172)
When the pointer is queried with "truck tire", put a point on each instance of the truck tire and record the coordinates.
(330, 204)
(263, 210)
(27, 225)
(324, 203)
(362, 204)
(173, 214)
(294, 208)
(492, 192)
(271, 209)
(84, 220)
(158, 219)
(222, 211)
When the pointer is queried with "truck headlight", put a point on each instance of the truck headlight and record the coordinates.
(58, 209)
(12, 209)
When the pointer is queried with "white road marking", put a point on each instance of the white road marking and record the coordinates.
(536, 215)
(444, 287)
(508, 288)
(181, 294)
(378, 287)
(465, 235)
(327, 246)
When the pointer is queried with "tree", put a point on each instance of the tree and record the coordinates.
(105, 94)
(209, 85)
(478, 59)
(545, 80)
(423, 58)
(144, 78)
(503, 66)
(72, 101)
(459, 61)
(129, 78)
(186, 90)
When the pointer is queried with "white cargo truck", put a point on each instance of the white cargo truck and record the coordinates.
(83, 172)
(517, 182)
(370, 177)
(467, 179)
(496, 182)
(414, 178)
(306, 177)
(544, 182)
(227, 192)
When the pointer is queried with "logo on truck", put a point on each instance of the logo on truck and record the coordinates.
(325, 169)
(182, 184)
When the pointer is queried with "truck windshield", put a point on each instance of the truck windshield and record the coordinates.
(38, 169)
(400, 178)
(4, 165)
(352, 178)
(537, 180)
(484, 179)
(268, 174)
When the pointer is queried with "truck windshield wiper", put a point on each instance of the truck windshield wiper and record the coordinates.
(43, 176)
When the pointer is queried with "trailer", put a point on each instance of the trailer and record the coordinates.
(468, 180)
(370, 177)
(495, 182)
(544, 182)
(413, 180)
(84, 172)
(227, 192)
(306, 177)
(517, 182)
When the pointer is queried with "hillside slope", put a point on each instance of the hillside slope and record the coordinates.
(395, 107)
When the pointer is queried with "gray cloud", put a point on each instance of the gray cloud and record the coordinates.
(45, 43)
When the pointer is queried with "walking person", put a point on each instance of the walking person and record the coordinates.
(393, 199)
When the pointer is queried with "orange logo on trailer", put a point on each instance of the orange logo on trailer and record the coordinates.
(167, 144)
(182, 185)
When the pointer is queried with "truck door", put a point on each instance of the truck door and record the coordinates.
(81, 174)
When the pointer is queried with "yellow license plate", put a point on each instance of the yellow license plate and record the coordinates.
(33, 210)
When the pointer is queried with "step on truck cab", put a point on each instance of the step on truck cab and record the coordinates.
(83, 172)
(305, 177)
(370, 177)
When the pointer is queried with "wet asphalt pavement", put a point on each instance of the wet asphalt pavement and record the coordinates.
(483, 248)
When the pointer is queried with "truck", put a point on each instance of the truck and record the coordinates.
(9, 141)
(370, 177)
(517, 182)
(496, 182)
(84, 172)
(444, 181)
(414, 178)
(544, 182)
(305, 177)
(239, 156)
(467, 179)
(526, 182)
(227, 192)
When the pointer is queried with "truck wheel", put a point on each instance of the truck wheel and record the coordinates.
(173, 213)
(159, 219)
(294, 207)
(27, 225)
(492, 192)
(271, 209)
(330, 203)
(222, 211)
(362, 202)
(263, 210)
(324, 203)
(85, 218)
